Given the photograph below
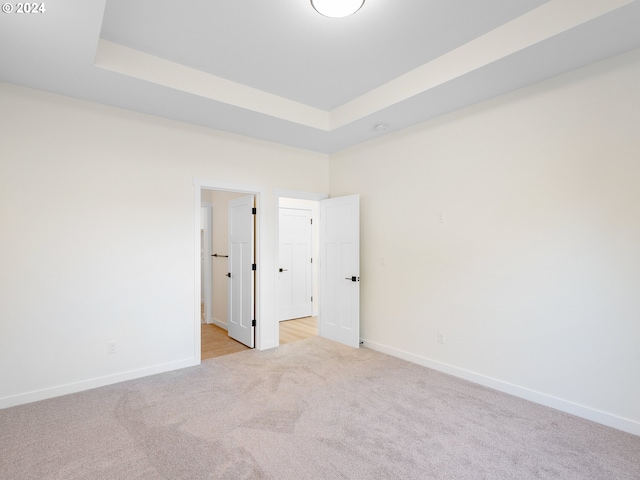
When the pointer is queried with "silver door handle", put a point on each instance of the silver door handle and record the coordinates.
(353, 279)
(283, 270)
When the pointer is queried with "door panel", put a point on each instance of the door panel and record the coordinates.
(295, 273)
(242, 279)
(339, 316)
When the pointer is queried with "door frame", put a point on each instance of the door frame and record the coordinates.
(280, 193)
(263, 314)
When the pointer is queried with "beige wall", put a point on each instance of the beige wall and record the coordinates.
(97, 241)
(534, 276)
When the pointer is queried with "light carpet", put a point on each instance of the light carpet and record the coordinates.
(312, 409)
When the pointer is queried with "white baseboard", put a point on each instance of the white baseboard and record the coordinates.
(218, 323)
(604, 418)
(34, 396)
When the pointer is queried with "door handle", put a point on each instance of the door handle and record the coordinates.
(228, 275)
(353, 279)
(282, 270)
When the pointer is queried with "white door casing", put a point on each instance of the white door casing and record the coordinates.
(295, 285)
(339, 257)
(242, 276)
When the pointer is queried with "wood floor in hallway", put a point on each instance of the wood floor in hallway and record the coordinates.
(215, 341)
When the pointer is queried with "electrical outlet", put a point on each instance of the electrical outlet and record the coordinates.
(440, 217)
(441, 338)
(111, 347)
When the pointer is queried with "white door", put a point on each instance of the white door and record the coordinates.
(339, 257)
(295, 257)
(241, 274)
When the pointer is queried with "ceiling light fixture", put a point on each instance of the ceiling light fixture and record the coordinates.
(337, 8)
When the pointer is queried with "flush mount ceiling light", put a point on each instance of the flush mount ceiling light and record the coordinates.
(337, 8)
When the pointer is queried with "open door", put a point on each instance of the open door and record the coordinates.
(339, 314)
(241, 270)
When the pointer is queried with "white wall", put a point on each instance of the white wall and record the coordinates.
(97, 239)
(534, 276)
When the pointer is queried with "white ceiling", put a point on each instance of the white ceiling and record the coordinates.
(276, 70)
(286, 48)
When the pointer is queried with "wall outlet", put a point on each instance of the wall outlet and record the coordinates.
(441, 338)
(111, 347)
(440, 217)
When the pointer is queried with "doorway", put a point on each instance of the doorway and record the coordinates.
(213, 278)
(215, 270)
(339, 258)
(296, 279)
(342, 289)
(297, 273)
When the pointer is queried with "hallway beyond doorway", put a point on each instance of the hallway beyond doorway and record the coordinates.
(215, 342)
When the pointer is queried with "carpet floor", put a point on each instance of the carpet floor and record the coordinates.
(312, 409)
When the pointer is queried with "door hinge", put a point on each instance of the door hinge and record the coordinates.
(254, 210)
(311, 221)
(312, 260)
(253, 323)
(312, 299)
(254, 266)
